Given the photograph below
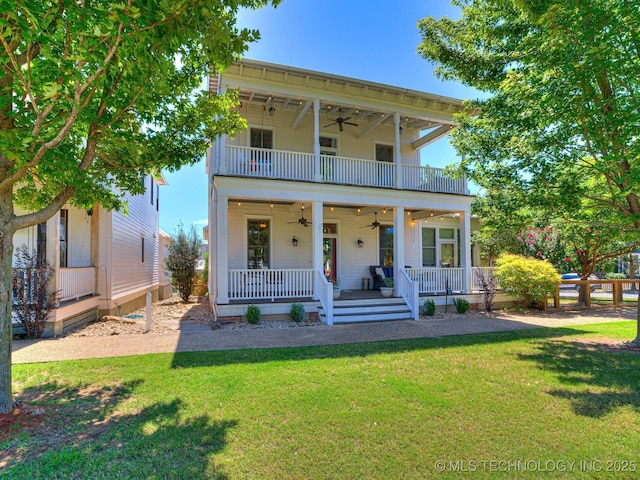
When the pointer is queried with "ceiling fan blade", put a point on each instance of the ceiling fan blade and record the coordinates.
(340, 127)
(345, 119)
(329, 124)
(350, 123)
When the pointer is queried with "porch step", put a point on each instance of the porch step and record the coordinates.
(378, 310)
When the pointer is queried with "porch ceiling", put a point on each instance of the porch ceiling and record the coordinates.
(369, 104)
(358, 210)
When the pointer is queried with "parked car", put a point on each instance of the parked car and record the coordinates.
(575, 276)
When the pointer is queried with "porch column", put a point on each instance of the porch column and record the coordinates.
(396, 151)
(221, 147)
(221, 266)
(317, 177)
(398, 244)
(465, 250)
(316, 240)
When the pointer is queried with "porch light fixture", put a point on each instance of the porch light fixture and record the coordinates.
(272, 110)
(360, 243)
(400, 129)
(294, 241)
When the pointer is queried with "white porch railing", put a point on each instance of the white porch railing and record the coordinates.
(264, 162)
(287, 165)
(436, 280)
(325, 295)
(428, 179)
(408, 290)
(261, 284)
(77, 282)
(355, 171)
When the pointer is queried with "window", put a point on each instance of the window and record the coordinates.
(152, 188)
(440, 247)
(428, 247)
(384, 153)
(41, 252)
(157, 198)
(261, 138)
(64, 237)
(142, 250)
(386, 246)
(258, 243)
(328, 146)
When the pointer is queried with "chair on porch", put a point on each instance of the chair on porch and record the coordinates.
(378, 276)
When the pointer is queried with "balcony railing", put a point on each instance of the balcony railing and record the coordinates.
(437, 280)
(285, 165)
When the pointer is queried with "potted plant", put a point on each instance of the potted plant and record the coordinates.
(336, 288)
(387, 289)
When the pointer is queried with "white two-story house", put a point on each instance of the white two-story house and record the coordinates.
(326, 184)
(105, 261)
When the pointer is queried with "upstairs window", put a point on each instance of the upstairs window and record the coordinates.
(261, 138)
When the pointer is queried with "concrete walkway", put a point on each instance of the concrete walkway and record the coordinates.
(203, 339)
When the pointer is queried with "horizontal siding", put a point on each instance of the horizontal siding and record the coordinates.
(128, 272)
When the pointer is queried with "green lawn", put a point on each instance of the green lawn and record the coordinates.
(512, 404)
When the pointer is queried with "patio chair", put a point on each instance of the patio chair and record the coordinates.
(378, 276)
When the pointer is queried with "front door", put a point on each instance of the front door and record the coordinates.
(329, 258)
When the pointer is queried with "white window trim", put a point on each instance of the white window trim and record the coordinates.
(260, 127)
(245, 238)
(454, 241)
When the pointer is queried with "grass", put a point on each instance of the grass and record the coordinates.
(544, 398)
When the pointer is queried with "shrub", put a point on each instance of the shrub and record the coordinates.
(428, 307)
(32, 302)
(528, 278)
(461, 305)
(488, 284)
(297, 312)
(615, 276)
(184, 251)
(253, 314)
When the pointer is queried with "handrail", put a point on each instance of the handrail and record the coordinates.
(325, 295)
(408, 290)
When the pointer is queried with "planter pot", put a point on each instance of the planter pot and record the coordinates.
(336, 294)
(386, 291)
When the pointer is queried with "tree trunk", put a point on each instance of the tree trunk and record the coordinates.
(6, 254)
(636, 341)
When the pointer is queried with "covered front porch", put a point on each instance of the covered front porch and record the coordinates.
(67, 242)
(279, 249)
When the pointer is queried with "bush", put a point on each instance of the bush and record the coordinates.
(615, 276)
(461, 305)
(253, 314)
(184, 251)
(32, 303)
(488, 285)
(528, 278)
(428, 307)
(297, 312)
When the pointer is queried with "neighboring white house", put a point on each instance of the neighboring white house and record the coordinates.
(325, 183)
(105, 262)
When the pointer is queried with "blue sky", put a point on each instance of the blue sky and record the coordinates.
(372, 40)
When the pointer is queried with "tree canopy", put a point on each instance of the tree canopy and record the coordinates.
(561, 116)
(96, 95)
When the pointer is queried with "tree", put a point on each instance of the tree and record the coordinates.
(184, 251)
(96, 95)
(561, 114)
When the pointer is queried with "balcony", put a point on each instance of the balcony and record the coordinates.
(330, 169)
